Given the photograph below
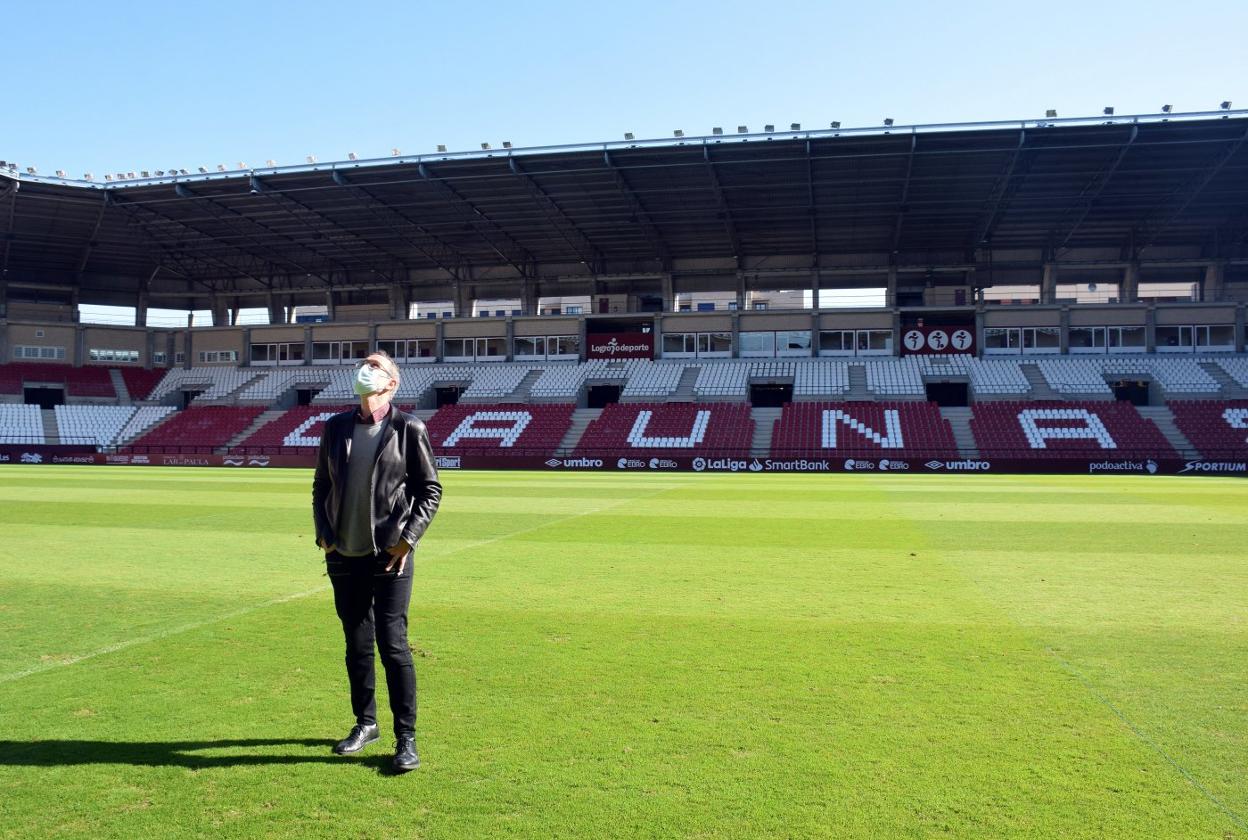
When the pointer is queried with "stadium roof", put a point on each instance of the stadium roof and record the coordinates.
(1130, 183)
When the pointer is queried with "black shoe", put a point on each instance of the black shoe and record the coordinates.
(361, 736)
(405, 757)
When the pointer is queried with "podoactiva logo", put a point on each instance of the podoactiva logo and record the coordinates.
(1149, 466)
(1214, 467)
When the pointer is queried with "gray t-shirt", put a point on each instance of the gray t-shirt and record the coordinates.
(355, 523)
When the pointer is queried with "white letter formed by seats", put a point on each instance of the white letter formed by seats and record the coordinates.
(892, 425)
(1089, 427)
(506, 435)
(1236, 418)
(637, 437)
(300, 436)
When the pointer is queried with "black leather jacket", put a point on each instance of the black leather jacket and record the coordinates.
(406, 492)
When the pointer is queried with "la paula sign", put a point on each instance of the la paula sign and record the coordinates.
(629, 345)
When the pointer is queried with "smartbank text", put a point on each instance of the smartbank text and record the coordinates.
(756, 465)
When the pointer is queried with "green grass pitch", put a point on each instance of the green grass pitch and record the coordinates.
(619, 655)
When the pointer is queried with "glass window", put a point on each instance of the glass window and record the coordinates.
(793, 342)
(1087, 338)
(459, 347)
(1126, 337)
(1042, 338)
(836, 341)
(1218, 335)
(719, 342)
(678, 342)
(491, 347)
(573, 310)
(564, 345)
(324, 350)
(260, 352)
(758, 343)
(877, 340)
(1174, 337)
(706, 307)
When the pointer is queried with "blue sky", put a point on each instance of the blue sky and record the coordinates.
(108, 87)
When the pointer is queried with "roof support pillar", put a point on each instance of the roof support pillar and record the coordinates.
(890, 292)
(140, 308)
(814, 289)
(398, 302)
(1048, 284)
(1129, 291)
(331, 308)
(277, 313)
(668, 286)
(742, 292)
(220, 312)
(528, 296)
(1241, 328)
(1214, 285)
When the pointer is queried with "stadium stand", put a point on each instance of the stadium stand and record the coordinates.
(20, 424)
(666, 429)
(144, 417)
(79, 382)
(499, 429)
(1236, 367)
(896, 377)
(901, 429)
(298, 430)
(217, 382)
(1217, 428)
(140, 382)
(198, 429)
(1066, 429)
(99, 424)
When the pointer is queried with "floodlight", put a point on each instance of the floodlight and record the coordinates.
(120, 176)
(145, 173)
(1050, 113)
(220, 167)
(1109, 111)
(203, 170)
(717, 131)
(160, 173)
(395, 152)
(1165, 109)
(441, 147)
(30, 170)
(485, 147)
(678, 133)
(628, 135)
(311, 158)
(769, 128)
(108, 177)
(60, 173)
(888, 121)
(743, 129)
(795, 126)
(506, 144)
(181, 171)
(87, 176)
(242, 165)
(351, 156)
(836, 124)
(130, 175)
(1226, 105)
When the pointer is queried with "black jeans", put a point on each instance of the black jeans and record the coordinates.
(372, 603)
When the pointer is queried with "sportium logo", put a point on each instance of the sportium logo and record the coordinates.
(1214, 467)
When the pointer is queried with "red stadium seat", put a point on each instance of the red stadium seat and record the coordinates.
(669, 429)
(78, 382)
(197, 430)
(862, 429)
(499, 429)
(1217, 428)
(1066, 429)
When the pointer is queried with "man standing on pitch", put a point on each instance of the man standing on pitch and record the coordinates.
(375, 492)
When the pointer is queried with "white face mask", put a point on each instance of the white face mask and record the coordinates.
(370, 380)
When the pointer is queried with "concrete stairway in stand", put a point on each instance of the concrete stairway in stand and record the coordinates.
(525, 388)
(764, 426)
(857, 383)
(119, 385)
(1231, 390)
(51, 434)
(1040, 388)
(1164, 420)
(263, 420)
(959, 418)
(684, 388)
(581, 418)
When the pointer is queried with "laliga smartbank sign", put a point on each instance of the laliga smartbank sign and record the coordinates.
(760, 465)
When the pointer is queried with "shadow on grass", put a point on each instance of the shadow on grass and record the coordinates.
(194, 755)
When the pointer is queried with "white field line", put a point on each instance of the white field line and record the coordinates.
(195, 625)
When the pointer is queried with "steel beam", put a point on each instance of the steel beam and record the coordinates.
(473, 214)
(729, 227)
(1095, 187)
(1146, 237)
(997, 198)
(586, 251)
(902, 206)
(651, 232)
